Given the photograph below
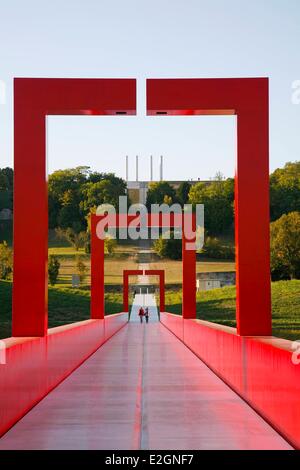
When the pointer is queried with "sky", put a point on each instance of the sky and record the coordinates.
(152, 39)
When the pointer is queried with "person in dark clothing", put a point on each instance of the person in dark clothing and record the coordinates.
(147, 314)
(141, 314)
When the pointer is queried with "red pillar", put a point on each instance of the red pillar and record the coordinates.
(162, 291)
(126, 274)
(97, 273)
(253, 306)
(125, 292)
(161, 274)
(188, 281)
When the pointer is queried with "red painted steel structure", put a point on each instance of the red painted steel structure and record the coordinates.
(97, 273)
(161, 274)
(126, 274)
(259, 369)
(34, 366)
(34, 99)
(248, 98)
(123, 221)
(140, 272)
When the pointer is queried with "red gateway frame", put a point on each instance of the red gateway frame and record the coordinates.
(34, 99)
(148, 272)
(123, 221)
(248, 98)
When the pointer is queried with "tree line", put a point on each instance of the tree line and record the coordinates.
(74, 193)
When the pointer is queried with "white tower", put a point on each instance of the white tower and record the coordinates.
(126, 167)
(161, 174)
(151, 168)
(137, 167)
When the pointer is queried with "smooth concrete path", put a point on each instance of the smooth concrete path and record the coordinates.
(142, 389)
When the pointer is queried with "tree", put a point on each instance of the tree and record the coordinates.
(80, 268)
(159, 193)
(168, 248)
(183, 192)
(285, 246)
(6, 261)
(218, 200)
(214, 248)
(69, 215)
(77, 240)
(64, 194)
(73, 192)
(53, 269)
(110, 245)
(6, 179)
(106, 191)
(285, 190)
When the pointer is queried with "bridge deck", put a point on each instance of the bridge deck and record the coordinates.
(142, 389)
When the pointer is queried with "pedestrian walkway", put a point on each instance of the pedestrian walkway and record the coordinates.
(144, 300)
(143, 389)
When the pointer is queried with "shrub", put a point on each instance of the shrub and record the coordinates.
(168, 248)
(80, 268)
(6, 261)
(213, 248)
(285, 247)
(53, 269)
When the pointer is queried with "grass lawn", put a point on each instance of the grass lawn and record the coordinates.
(218, 306)
(173, 269)
(113, 265)
(65, 306)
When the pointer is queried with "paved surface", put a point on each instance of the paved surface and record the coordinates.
(142, 389)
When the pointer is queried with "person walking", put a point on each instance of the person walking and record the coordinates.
(141, 314)
(147, 314)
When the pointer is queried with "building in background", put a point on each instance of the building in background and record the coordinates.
(214, 280)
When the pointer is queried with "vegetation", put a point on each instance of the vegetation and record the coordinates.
(217, 197)
(6, 179)
(53, 269)
(81, 268)
(183, 192)
(214, 248)
(77, 240)
(110, 245)
(285, 247)
(160, 193)
(168, 247)
(74, 192)
(285, 190)
(65, 306)
(6, 261)
(218, 306)
(173, 268)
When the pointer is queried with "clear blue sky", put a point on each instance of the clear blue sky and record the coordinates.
(157, 38)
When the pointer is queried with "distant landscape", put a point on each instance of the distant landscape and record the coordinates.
(75, 193)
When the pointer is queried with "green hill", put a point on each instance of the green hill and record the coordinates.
(65, 306)
(218, 306)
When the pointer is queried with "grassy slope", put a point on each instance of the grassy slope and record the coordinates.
(65, 306)
(123, 258)
(218, 306)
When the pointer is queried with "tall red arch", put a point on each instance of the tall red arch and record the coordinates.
(34, 100)
(248, 98)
